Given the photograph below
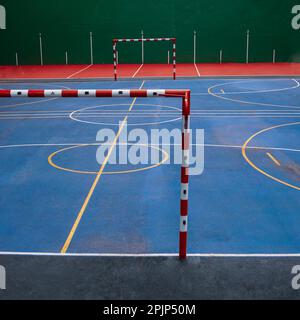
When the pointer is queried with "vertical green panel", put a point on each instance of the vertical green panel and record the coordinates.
(220, 24)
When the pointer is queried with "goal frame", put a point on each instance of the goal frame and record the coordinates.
(184, 95)
(116, 41)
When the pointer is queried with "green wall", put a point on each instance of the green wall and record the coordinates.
(220, 24)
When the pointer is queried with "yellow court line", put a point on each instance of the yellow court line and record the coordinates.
(52, 155)
(273, 158)
(87, 199)
(244, 153)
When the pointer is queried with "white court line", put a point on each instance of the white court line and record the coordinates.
(226, 255)
(139, 68)
(225, 77)
(9, 118)
(29, 145)
(162, 114)
(113, 114)
(251, 102)
(248, 92)
(199, 75)
(257, 91)
(116, 111)
(236, 76)
(141, 117)
(25, 103)
(81, 70)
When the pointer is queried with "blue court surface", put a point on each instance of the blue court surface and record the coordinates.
(245, 202)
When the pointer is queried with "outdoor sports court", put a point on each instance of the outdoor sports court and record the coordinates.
(220, 223)
(238, 205)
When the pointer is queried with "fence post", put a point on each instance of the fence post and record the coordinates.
(142, 33)
(247, 49)
(67, 58)
(91, 47)
(274, 56)
(221, 56)
(17, 59)
(41, 49)
(195, 46)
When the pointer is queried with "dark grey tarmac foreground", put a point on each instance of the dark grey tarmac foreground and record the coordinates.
(97, 277)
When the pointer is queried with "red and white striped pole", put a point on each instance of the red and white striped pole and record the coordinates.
(115, 59)
(184, 175)
(100, 93)
(174, 59)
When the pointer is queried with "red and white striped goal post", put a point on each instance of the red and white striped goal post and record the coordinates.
(115, 41)
(185, 95)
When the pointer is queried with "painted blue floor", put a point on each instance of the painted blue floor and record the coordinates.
(234, 207)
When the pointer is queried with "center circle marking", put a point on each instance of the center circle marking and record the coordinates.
(54, 154)
(74, 113)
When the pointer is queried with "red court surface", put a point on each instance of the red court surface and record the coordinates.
(148, 70)
(165, 70)
(39, 72)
